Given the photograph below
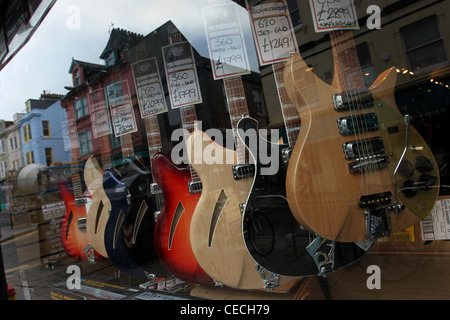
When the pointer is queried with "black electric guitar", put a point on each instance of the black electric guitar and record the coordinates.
(272, 235)
(129, 231)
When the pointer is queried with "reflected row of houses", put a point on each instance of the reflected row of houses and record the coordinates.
(59, 129)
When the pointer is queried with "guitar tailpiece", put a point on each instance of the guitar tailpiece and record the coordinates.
(323, 260)
(271, 280)
(90, 253)
(217, 283)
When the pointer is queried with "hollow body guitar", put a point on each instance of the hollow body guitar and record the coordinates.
(98, 215)
(74, 236)
(127, 254)
(272, 235)
(358, 170)
(216, 229)
(172, 227)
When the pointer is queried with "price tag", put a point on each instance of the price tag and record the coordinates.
(331, 15)
(148, 87)
(181, 75)
(122, 112)
(272, 31)
(101, 123)
(225, 41)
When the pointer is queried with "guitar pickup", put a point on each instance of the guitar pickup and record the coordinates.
(358, 124)
(286, 155)
(350, 100)
(81, 222)
(195, 187)
(155, 189)
(243, 171)
(79, 202)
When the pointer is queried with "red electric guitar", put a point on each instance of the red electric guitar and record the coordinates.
(181, 188)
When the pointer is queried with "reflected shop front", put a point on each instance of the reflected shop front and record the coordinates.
(224, 150)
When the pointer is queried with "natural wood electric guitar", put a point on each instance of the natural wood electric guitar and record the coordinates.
(358, 170)
(272, 235)
(98, 213)
(216, 227)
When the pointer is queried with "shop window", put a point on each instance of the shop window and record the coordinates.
(85, 141)
(46, 128)
(49, 156)
(81, 108)
(26, 130)
(294, 13)
(424, 45)
(29, 157)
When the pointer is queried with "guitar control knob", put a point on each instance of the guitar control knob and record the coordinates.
(423, 164)
(416, 148)
(406, 169)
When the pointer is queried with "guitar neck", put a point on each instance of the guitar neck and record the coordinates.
(126, 142)
(106, 152)
(346, 61)
(289, 111)
(237, 108)
(188, 121)
(153, 135)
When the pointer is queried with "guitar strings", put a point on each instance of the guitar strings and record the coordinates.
(349, 75)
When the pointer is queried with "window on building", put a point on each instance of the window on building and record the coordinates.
(76, 78)
(49, 156)
(2, 146)
(26, 130)
(46, 128)
(85, 142)
(29, 157)
(424, 45)
(114, 91)
(366, 63)
(81, 108)
(13, 143)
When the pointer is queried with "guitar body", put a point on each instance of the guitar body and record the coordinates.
(139, 221)
(272, 235)
(216, 227)
(324, 196)
(74, 240)
(116, 249)
(172, 239)
(98, 215)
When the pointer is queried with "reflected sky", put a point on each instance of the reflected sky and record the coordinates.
(80, 30)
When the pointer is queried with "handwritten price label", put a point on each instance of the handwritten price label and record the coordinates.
(148, 87)
(333, 15)
(225, 41)
(101, 123)
(181, 75)
(272, 31)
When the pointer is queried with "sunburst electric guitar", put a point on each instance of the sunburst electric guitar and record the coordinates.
(358, 170)
(181, 189)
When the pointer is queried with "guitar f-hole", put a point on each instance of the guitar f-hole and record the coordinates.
(176, 218)
(99, 212)
(220, 204)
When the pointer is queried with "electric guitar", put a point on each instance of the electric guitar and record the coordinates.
(129, 230)
(272, 235)
(73, 233)
(216, 227)
(181, 188)
(358, 170)
(98, 213)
